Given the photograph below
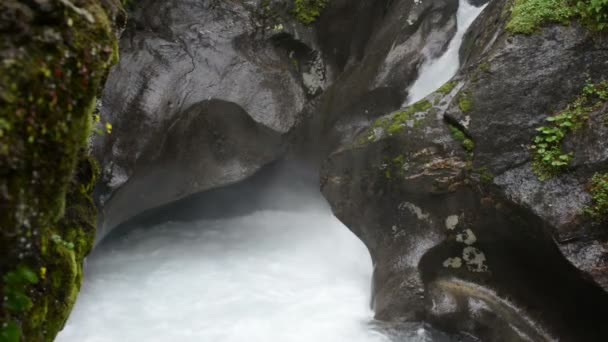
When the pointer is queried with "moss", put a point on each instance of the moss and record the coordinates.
(51, 67)
(484, 175)
(549, 159)
(485, 67)
(420, 106)
(527, 16)
(465, 101)
(462, 138)
(307, 11)
(447, 87)
(395, 167)
(396, 123)
(599, 195)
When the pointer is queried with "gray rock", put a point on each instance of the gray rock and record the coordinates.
(497, 252)
(186, 67)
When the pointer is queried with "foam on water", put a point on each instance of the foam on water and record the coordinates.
(435, 72)
(285, 273)
(271, 275)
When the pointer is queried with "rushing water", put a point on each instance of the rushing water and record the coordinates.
(435, 72)
(271, 275)
(282, 270)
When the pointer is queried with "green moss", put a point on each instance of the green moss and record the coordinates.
(599, 194)
(549, 158)
(395, 167)
(527, 16)
(484, 174)
(465, 101)
(593, 13)
(10, 332)
(462, 138)
(420, 106)
(51, 68)
(307, 11)
(447, 87)
(395, 124)
(485, 67)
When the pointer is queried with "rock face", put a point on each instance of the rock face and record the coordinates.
(376, 65)
(183, 76)
(444, 193)
(54, 57)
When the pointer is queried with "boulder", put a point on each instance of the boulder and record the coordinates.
(204, 95)
(461, 228)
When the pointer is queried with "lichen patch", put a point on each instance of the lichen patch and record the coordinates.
(475, 259)
(453, 263)
(451, 222)
(467, 237)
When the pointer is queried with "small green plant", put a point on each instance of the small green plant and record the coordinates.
(15, 283)
(462, 138)
(485, 175)
(16, 301)
(465, 102)
(307, 11)
(599, 194)
(396, 166)
(594, 13)
(10, 332)
(549, 158)
(527, 16)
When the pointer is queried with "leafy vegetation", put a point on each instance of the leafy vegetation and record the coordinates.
(599, 193)
(594, 13)
(549, 158)
(462, 138)
(16, 300)
(527, 16)
(51, 67)
(307, 11)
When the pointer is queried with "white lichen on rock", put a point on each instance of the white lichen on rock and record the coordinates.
(475, 259)
(467, 237)
(414, 209)
(453, 262)
(451, 222)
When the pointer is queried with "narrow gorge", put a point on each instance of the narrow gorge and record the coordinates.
(303, 170)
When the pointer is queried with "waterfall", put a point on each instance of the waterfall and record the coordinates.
(435, 72)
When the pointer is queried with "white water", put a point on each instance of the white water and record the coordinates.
(268, 276)
(286, 272)
(289, 274)
(435, 72)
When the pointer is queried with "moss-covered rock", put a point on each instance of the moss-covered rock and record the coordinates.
(54, 56)
(528, 16)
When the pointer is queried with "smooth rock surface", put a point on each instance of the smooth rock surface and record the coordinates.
(474, 241)
(176, 57)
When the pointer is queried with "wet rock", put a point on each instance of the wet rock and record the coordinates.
(514, 83)
(445, 196)
(373, 50)
(229, 55)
